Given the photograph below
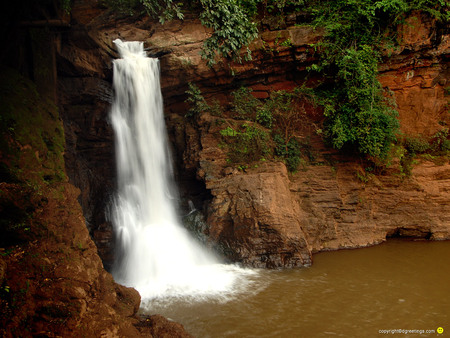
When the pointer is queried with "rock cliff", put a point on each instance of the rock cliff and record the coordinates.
(52, 280)
(264, 216)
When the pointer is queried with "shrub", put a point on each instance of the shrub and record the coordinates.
(440, 142)
(245, 105)
(416, 145)
(232, 27)
(196, 100)
(281, 7)
(165, 10)
(358, 117)
(288, 113)
(248, 144)
(289, 151)
(264, 116)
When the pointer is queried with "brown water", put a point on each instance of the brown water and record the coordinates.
(349, 293)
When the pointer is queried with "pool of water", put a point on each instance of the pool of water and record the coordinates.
(398, 285)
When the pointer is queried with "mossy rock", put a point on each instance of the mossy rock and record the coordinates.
(32, 136)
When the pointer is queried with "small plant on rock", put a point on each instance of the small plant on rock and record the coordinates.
(196, 100)
(246, 144)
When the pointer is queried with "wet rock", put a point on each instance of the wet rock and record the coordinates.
(160, 326)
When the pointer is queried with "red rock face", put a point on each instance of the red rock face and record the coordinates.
(262, 217)
(254, 215)
(64, 280)
(343, 212)
(418, 74)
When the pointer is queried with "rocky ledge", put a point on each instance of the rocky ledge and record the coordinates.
(53, 283)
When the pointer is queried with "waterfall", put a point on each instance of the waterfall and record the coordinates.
(155, 254)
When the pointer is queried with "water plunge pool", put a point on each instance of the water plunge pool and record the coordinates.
(349, 293)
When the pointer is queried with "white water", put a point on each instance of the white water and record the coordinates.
(155, 253)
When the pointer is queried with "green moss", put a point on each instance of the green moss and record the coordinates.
(32, 135)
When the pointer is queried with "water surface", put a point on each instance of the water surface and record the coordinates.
(348, 293)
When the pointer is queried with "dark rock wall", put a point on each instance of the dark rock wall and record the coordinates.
(90, 153)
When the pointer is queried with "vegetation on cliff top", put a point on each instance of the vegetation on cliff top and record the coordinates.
(358, 112)
(359, 115)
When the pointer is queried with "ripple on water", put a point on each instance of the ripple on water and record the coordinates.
(344, 294)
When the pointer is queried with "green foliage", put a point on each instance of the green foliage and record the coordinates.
(196, 100)
(406, 164)
(349, 23)
(247, 144)
(280, 102)
(289, 112)
(231, 21)
(228, 132)
(250, 7)
(358, 115)
(286, 43)
(366, 21)
(435, 149)
(289, 151)
(440, 142)
(283, 112)
(264, 116)
(438, 9)
(284, 6)
(165, 10)
(416, 145)
(198, 103)
(245, 105)
(359, 118)
(232, 29)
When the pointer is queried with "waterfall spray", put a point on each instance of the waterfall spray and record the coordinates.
(155, 254)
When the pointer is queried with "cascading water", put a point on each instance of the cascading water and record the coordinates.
(155, 254)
